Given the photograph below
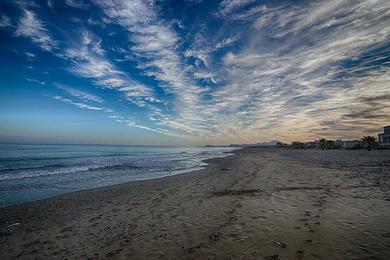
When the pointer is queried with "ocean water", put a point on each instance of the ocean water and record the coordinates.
(32, 172)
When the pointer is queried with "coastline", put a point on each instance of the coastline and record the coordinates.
(69, 169)
(249, 204)
(113, 187)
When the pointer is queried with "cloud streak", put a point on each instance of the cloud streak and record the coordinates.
(79, 94)
(5, 21)
(78, 104)
(30, 26)
(89, 61)
(77, 4)
(291, 88)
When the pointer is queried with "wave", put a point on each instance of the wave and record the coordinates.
(170, 161)
(39, 167)
(63, 171)
(46, 158)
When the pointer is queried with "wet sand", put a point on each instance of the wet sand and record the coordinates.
(256, 204)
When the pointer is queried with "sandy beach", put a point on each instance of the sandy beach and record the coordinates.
(256, 204)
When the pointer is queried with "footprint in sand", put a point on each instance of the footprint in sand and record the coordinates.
(215, 237)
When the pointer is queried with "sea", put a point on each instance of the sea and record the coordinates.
(33, 172)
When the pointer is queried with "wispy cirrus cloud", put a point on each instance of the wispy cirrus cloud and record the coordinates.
(36, 81)
(78, 104)
(157, 130)
(80, 4)
(30, 26)
(88, 61)
(79, 94)
(157, 44)
(295, 84)
(30, 56)
(250, 71)
(279, 76)
(5, 21)
(227, 7)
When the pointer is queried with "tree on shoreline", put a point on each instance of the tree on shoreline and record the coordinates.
(322, 143)
(298, 145)
(369, 142)
(327, 144)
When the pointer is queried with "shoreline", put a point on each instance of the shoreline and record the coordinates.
(155, 175)
(250, 204)
(41, 200)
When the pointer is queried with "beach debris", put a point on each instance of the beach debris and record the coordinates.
(308, 212)
(308, 240)
(14, 224)
(274, 257)
(8, 229)
(190, 250)
(226, 169)
(300, 252)
(281, 244)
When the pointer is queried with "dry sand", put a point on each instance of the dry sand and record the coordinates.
(256, 204)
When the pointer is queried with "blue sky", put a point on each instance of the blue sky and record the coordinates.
(193, 72)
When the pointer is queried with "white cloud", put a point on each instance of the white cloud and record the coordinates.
(88, 60)
(50, 3)
(93, 42)
(155, 41)
(295, 71)
(199, 54)
(36, 81)
(225, 42)
(30, 56)
(79, 94)
(78, 104)
(5, 21)
(229, 6)
(288, 90)
(31, 27)
(158, 130)
(80, 4)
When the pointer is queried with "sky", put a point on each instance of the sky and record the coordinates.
(193, 72)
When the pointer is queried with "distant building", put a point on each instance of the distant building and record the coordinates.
(384, 138)
(336, 144)
(347, 144)
(339, 143)
(312, 144)
(350, 144)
